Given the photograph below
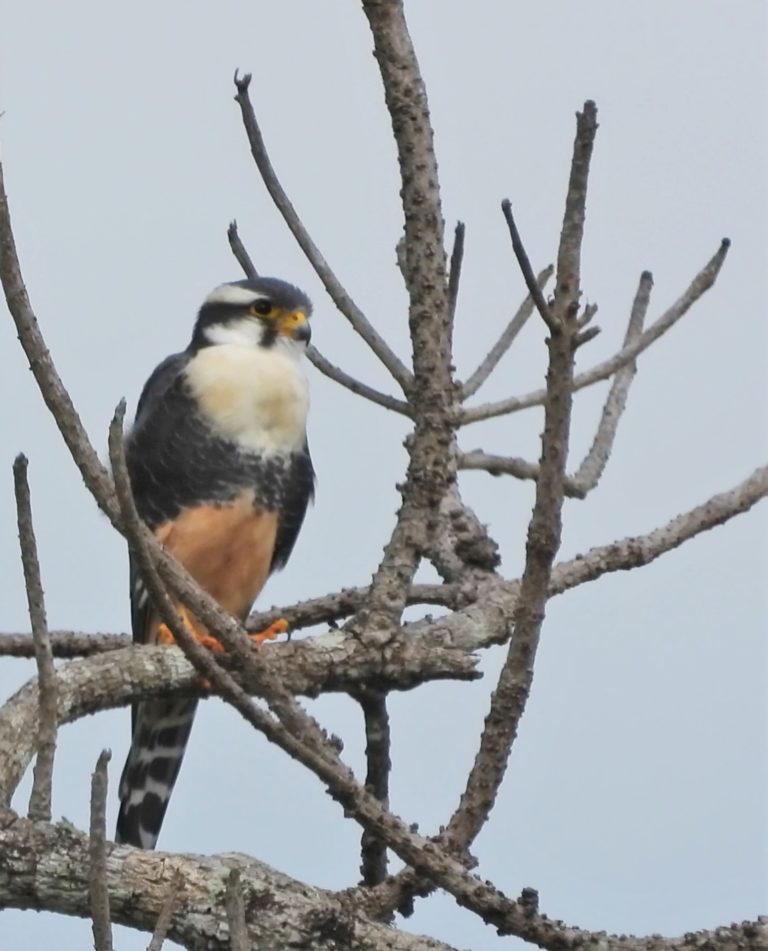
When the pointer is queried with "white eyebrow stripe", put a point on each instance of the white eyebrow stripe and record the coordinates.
(232, 294)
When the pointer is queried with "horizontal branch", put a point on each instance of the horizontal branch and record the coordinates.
(46, 867)
(700, 284)
(513, 466)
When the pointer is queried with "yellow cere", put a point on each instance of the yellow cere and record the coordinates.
(289, 322)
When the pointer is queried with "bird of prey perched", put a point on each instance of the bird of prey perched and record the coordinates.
(221, 473)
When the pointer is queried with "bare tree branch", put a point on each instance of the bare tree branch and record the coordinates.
(356, 386)
(240, 252)
(313, 354)
(40, 797)
(592, 467)
(52, 389)
(506, 340)
(454, 276)
(44, 866)
(238, 932)
(698, 286)
(567, 288)
(165, 918)
(531, 282)
(336, 291)
(373, 703)
(511, 465)
(97, 874)
(431, 469)
(323, 610)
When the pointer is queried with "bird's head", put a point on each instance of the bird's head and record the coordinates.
(259, 312)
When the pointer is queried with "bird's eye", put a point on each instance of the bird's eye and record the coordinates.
(261, 308)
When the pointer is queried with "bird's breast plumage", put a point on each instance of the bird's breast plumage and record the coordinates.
(256, 398)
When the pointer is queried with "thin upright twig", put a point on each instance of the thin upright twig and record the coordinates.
(593, 465)
(97, 879)
(527, 271)
(505, 341)
(40, 797)
(373, 703)
(336, 290)
(240, 252)
(165, 918)
(238, 931)
(454, 274)
(703, 281)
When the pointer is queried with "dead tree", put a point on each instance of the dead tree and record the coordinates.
(237, 901)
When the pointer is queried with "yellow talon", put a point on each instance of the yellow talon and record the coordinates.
(275, 629)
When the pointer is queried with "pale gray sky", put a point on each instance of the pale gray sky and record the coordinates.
(636, 797)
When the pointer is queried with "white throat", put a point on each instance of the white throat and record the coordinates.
(256, 397)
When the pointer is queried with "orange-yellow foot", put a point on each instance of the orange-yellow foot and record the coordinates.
(165, 635)
(275, 629)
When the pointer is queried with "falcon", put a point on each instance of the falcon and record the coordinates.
(221, 474)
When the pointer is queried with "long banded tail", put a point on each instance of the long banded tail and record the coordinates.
(160, 738)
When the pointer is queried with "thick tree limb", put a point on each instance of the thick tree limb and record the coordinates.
(44, 866)
(336, 291)
(40, 797)
(698, 286)
(431, 467)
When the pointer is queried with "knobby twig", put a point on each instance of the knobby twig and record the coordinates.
(337, 292)
(40, 797)
(592, 467)
(505, 341)
(527, 271)
(97, 877)
(373, 867)
(431, 469)
(165, 918)
(703, 281)
(238, 932)
(567, 287)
